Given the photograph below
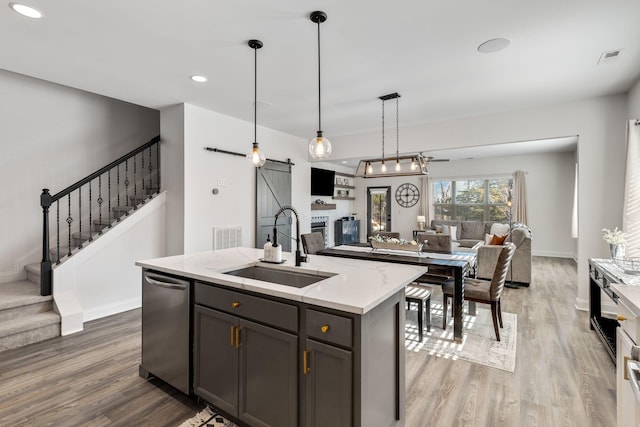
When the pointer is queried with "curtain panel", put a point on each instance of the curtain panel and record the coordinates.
(631, 206)
(520, 198)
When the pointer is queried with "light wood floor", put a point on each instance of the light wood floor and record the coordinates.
(563, 376)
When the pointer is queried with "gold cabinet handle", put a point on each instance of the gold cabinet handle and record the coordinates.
(235, 304)
(233, 344)
(237, 336)
(305, 362)
(325, 329)
(621, 318)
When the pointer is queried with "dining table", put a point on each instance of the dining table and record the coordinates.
(441, 266)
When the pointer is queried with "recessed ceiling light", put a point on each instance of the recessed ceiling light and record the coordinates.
(24, 10)
(344, 162)
(494, 45)
(199, 79)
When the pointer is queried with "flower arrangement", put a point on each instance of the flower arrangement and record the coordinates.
(615, 237)
(392, 240)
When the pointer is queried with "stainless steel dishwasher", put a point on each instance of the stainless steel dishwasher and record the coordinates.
(166, 330)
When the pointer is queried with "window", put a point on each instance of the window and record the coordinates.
(477, 199)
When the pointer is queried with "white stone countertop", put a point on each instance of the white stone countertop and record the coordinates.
(627, 286)
(357, 287)
(630, 296)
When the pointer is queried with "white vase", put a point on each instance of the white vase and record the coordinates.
(617, 251)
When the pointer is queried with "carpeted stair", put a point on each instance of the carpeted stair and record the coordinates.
(27, 317)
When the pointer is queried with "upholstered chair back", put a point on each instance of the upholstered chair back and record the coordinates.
(500, 273)
(312, 242)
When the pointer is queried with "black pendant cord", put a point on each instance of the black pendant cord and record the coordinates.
(383, 131)
(319, 82)
(255, 94)
(397, 131)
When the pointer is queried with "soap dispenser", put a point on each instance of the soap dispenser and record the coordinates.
(268, 249)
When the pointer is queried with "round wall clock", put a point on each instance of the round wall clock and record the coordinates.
(407, 195)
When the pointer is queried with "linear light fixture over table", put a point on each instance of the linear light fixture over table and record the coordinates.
(407, 165)
(410, 165)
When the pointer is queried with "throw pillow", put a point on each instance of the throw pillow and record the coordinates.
(498, 240)
(452, 230)
(499, 229)
(438, 228)
(488, 238)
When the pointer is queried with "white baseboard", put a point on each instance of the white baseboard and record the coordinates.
(111, 309)
(554, 254)
(607, 307)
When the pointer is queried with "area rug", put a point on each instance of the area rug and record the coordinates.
(207, 418)
(479, 343)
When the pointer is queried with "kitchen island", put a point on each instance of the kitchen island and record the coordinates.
(269, 354)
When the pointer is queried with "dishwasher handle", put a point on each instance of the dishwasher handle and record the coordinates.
(166, 282)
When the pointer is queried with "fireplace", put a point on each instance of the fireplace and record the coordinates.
(320, 224)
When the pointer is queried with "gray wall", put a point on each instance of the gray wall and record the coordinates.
(50, 137)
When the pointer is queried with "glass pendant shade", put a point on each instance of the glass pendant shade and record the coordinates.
(383, 167)
(398, 167)
(256, 157)
(319, 147)
(369, 168)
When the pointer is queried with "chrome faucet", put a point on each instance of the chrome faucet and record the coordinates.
(299, 257)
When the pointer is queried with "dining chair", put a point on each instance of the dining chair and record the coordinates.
(484, 291)
(312, 242)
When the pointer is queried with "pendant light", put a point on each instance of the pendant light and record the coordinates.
(319, 147)
(256, 156)
(406, 165)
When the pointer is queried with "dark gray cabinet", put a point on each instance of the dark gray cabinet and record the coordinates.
(254, 355)
(346, 231)
(242, 367)
(328, 369)
(329, 385)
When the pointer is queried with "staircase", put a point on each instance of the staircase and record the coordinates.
(26, 316)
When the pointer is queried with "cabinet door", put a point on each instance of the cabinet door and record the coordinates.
(268, 376)
(626, 400)
(215, 359)
(329, 386)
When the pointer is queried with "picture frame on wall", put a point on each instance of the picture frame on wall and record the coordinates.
(339, 181)
(346, 181)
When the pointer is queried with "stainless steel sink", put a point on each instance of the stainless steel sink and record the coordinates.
(297, 279)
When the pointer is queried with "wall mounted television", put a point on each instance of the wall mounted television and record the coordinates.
(322, 181)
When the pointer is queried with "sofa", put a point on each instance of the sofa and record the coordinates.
(520, 269)
(469, 233)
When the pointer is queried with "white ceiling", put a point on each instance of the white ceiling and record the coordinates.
(144, 51)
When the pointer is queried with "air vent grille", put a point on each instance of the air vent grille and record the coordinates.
(227, 237)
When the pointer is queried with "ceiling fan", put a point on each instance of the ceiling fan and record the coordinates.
(430, 159)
